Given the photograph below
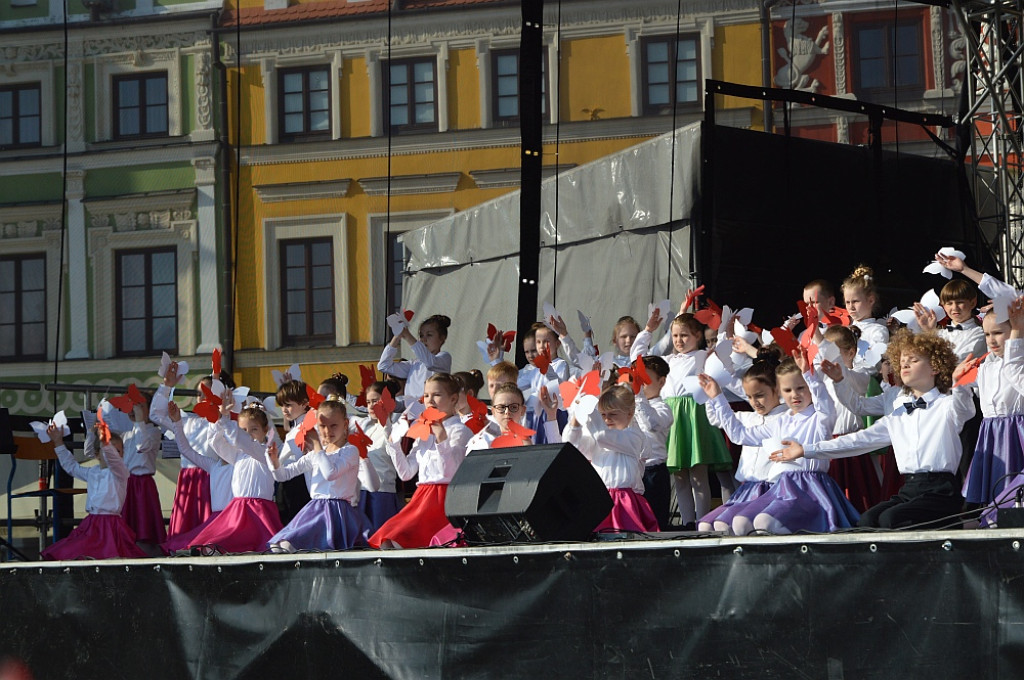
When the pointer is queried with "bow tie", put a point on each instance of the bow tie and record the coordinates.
(918, 403)
(954, 327)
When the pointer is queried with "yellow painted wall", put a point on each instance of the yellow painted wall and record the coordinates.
(736, 58)
(594, 75)
(463, 90)
(355, 96)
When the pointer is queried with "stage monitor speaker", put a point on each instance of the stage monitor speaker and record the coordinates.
(525, 494)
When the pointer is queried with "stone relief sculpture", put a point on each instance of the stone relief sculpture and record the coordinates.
(800, 53)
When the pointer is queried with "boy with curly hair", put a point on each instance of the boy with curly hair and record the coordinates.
(923, 426)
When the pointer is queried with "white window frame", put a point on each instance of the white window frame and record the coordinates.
(401, 222)
(106, 68)
(46, 241)
(634, 47)
(277, 229)
(104, 241)
(29, 73)
(269, 67)
(484, 48)
(376, 61)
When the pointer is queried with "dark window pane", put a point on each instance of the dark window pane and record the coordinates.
(296, 278)
(323, 299)
(29, 131)
(133, 303)
(399, 75)
(164, 300)
(33, 338)
(6, 275)
(321, 254)
(295, 255)
(156, 119)
(128, 93)
(6, 104)
(156, 91)
(8, 340)
(323, 323)
(164, 333)
(133, 270)
(424, 72)
(163, 268)
(296, 325)
(6, 131)
(128, 122)
(134, 335)
(292, 82)
(7, 301)
(321, 277)
(28, 102)
(33, 307)
(296, 301)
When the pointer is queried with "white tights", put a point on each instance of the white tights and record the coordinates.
(692, 493)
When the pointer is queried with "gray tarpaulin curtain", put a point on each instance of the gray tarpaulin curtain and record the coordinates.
(623, 242)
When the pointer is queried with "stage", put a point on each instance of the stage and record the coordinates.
(881, 605)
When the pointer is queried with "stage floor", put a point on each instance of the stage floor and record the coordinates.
(940, 604)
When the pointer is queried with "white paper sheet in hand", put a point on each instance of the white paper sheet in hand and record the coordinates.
(59, 419)
(664, 307)
(931, 300)
(550, 313)
(397, 323)
(829, 351)
(165, 363)
(1001, 307)
(293, 373)
(585, 326)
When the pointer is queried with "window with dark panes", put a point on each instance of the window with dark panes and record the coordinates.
(23, 301)
(410, 95)
(20, 116)
(397, 262)
(505, 86)
(140, 105)
(147, 301)
(304, 103)
(671, 73)
(888, 56)
(307, 303)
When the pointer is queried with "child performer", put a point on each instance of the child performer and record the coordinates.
(924, 430)
(801, 498)
(1001, 391)
(857, 477)
(427, 350)
(654, 418)
(291, 496)
(192, 493)
(251, 518)
(614, 448)
(959, 298)
(333, 470)
(435, 459)
(384, 503)
(220, 473)
(336, 384)
(692, 443)
(761, 387)
(626, 330)
(141, 444)
(508, 405)
(860, 296)
(103, 533)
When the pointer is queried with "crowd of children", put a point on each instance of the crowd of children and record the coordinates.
(841, 419)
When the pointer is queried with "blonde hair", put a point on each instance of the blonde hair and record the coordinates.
(332, 405)
(503, 369)
(786, 367)
(617, 397)
(862, 278)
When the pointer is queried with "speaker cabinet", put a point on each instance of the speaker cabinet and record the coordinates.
(525, 494)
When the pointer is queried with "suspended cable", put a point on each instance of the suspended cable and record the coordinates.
(389, 263)
(674, 99)
(558, 136)
(63, 219)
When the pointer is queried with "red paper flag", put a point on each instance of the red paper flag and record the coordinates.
(692, 296)
(361, 441)
(785, 340)
(126, 402)
(216, 362)
(314, 397)
(383, 409)
(408, 314)
(101, 426)
(421, 428)
(971, 374)
(308, 423)
(542, 361)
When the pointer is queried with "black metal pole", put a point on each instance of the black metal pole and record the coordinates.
(530, 126)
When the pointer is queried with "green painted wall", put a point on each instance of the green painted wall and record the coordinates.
(30, 188)
(40, 9)
(138, 179)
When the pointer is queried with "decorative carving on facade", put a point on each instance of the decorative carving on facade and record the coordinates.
(138, 46)
(75, 109)
(938, 47)
(204, 102)
(800, 53)
(839, 51)
(957, 51)
(842, 130)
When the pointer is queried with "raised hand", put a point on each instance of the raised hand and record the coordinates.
(790, 451)
(654, 322)
(834, 371)
(925, 317)
(173, 412)
(709, 385)
(273, 455)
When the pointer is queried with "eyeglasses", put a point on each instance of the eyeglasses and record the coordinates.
(502, 408)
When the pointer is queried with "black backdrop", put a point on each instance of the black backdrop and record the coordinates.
(891, 605)
(780, 211)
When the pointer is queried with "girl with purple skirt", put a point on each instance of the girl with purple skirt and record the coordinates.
(330, 521)
(1000, 390)
(754, 469)
(802, 496)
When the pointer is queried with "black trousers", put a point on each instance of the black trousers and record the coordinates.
(658, 492)
(926, 499)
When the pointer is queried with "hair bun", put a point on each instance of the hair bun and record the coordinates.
(340, 377)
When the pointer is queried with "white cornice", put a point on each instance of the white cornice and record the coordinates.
(399, 185)
(113, 158)
(510, 177)
(302, 191)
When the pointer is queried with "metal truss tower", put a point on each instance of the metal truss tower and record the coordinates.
(991, 123)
